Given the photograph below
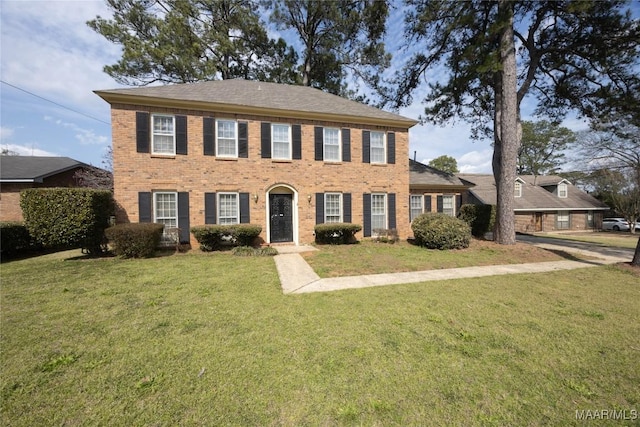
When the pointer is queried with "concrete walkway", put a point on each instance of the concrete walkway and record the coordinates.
(297, 277)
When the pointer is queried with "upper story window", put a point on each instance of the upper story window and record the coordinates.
(518, 189)
(332, 207)
(226, 138)
(164, 136)
(378, 149)
(228, 208)
(332, 145)
(562, 190)
(281, 142)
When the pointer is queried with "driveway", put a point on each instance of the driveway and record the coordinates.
(624, 254)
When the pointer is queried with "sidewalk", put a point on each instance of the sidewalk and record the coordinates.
(297, 277)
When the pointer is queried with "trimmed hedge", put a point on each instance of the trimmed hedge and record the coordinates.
(135, 240)
(440, 231)
(14, 238)
(67, 217)
(249, 251)
(336, 233)
(481, 218)
(214, 237)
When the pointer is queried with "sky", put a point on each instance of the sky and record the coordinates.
(51, 62)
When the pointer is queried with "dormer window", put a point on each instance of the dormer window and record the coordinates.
(562, 190)
(518, 189)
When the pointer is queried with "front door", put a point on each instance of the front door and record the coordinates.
(539, 219)
(281, 223)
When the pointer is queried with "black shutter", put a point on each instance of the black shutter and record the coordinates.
(318, 142)
(319, 208)
(243, 140)
(366, 146)
(265, 140)
(144, 207)
(209, 138)
(346, 207)
(391, 148)
(296, 136)
(245, 210)
(458, 202)
(210, 213)
(391, 210)
(440, 204)
(366, 214)
(142, 131)
(181, 134)
(427, 203)
(183, 217)
(346, 145)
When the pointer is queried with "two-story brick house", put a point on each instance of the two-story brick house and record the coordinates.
(279, 156)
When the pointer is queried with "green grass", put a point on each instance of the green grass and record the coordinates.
(211, 340)
(613, 239)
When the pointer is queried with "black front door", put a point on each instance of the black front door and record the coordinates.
(281, 210)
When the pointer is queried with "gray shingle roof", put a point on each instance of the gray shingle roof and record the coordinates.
(34, 169)
(534, 196)
(423, 175)
(290, 100)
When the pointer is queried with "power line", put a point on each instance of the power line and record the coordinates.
(55, 103)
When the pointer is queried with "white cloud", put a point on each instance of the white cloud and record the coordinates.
(477, 161)
(6, 133)
(24, 150)
(84, 136)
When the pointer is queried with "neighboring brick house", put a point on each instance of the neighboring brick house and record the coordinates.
(542, 203)
(433, 190)
(279, 156)
(20, 172)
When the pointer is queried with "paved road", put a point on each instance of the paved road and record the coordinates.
(581, 247)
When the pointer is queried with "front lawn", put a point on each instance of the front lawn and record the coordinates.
(616, 239)
(209, 339)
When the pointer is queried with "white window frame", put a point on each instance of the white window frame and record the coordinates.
(161, 133)
(413, 210)
(449, 211)
(385, 213)
(224, 219)
(568, 221)
(273, 142)
(383, 148)
(325, 144)
(563, 190)
(517, 189)
(330, 218)
(166, 237)
(235, 137)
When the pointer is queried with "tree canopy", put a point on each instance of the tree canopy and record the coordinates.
(542, 149)
(445, 163)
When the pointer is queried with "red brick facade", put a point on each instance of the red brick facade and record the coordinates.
(196, 173)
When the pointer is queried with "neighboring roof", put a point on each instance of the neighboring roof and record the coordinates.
(534, 196)
(253, 97)
(422, 175)
(34, 169)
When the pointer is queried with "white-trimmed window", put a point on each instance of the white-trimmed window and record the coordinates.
(563, 220)
(228, 208)
(518, 189)
(332, 207)
(378, 150)
(378, 211)
(226, 138)
(415, 207)
(562, 190)
(331, 145)
(448, 205)
(165, 211)
(163, 134)
(281, 141)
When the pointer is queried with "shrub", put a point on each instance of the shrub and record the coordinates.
(440, 231)
(214, 237)
(336, 233)
(14, 238)
(384, 235)
(67, 217)
(250, 251)
(481, 218)
(135, 240)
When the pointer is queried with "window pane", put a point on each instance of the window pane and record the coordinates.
(226, 136)
(447, 205)
(163, 137)
(166, 212)
(562, 190)
(281, 143)
(332, 209)
(332, 144)
(377, 147)
(378, 211)
(228, 209)
(416, 206)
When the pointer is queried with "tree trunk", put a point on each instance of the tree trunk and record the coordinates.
(506, 127)
(636, 255)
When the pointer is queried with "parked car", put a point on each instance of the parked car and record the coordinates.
(617, 224)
